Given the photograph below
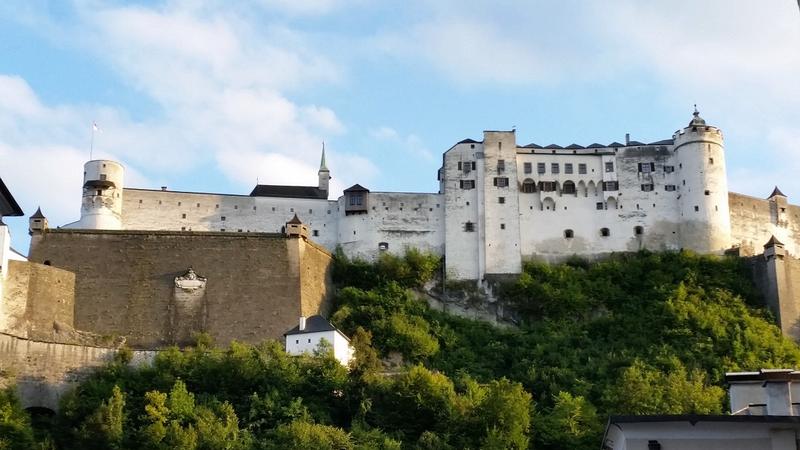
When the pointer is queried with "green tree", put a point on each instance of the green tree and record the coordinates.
(15, 427)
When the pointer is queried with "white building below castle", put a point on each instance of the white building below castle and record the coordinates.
(499, 203)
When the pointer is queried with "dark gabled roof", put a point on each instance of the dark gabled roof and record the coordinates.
(616, 144)
(532, 145)
(554, 146)
(8, 206)
(314, 324)
(596, 145)
(356, 188)
(38, 214)
(274, 190)
(635, 143)
(468, 141)
(663, 142)
(295, 220)
(574, 146)
(694, 418)
(773, 241)
(775, 192)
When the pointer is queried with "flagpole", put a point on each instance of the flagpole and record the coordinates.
(91, 143)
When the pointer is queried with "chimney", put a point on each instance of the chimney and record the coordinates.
(163, 188)
(627, 139)
(302, 323)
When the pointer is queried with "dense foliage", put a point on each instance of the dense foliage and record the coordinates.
(634, 334)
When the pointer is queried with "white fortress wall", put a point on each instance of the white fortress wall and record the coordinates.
(170, 210)
(398, 219)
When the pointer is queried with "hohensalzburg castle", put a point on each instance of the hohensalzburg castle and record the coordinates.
(499, 203)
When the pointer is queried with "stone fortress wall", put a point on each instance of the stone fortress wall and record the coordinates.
(256, 287)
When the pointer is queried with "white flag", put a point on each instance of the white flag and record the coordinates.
(95, 127)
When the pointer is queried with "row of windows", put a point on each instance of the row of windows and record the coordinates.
(604, 232)
(310, 211)
(555, 168)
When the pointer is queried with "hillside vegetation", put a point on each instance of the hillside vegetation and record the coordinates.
(634, 334)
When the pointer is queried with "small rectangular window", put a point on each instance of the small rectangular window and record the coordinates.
(610, 185)
(223, 218)
(646, 167)
(501, 181)
(469, 226)
(501, 200)
(647, 187)
(502, 226)
(547, 186)
(528, 167)
(183, 216)
(707, 192)
(697, 208)
(501, 165)
(669, 187)
(540, 168)
(103, 177)
(609, 166)
(568, 168)
(582, 169)
(711, 160)
(554, 168)
(669, 169)
(600, 205)
(467, 184)
(315, 233)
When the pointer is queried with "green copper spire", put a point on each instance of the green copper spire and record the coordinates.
(322, 165)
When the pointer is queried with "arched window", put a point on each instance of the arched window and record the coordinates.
(611, 203)
(569, 234)
(638, 230)
(605, 232)
(528, 186)
(548, 204)
(568, 188)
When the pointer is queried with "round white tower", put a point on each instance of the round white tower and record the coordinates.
(705, 225)
(101, 208)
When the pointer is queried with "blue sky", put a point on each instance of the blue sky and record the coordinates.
(212, 95)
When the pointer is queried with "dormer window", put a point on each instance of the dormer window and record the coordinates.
(356, 199)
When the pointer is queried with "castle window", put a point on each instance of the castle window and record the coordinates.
(547, 186)
(47, 262)
(179, 203)
(254, 208)
(183, 228)
(680, 166)
(609, 166)
(528, 186)
(707, 192)
(310, 211)
(540, 168)
(684, 182)
(215, 206)
(669, 169)
(222, 230)
(183, 216)
(291, 209)
(273, 209)
(104, 166)
(711, 160)
(568, 168)
(159, 202)
(528, 167)
(501, 165)
(647, 187)
(140, 201)
(569, 234)
(466, 184)
(582, 169)
(501, 181)
(469, 226)
(610, 185)
(315, 232)
(669, 187)
(554, 168)
(647, 167)
(235, 206)
(696, 208)
(600, 205)
(638, 230)
(383, 246)
(605, 232)
(568, 188)
(99, 192)
(501, 200)
(103, 177)
(239, 230)
(222, 218)
(297, 341)
(502, 226)
(329, 211)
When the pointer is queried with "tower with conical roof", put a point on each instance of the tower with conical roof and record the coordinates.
(101, 208)
(705, 225)
(324, 174)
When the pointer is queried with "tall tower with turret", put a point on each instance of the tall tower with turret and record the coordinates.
(101, 207)
(703, 202)
(324, 174)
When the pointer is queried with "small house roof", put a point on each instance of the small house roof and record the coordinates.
(8, 206)
(596, 145)
(554, 146)
(775, 192)
(314, 324)
(38, 214)
(532, 145)
(773, 241)
(616, 144)
(274, 190)
(356, 188)
(295, 220)
(575, 146)
(468, 141)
